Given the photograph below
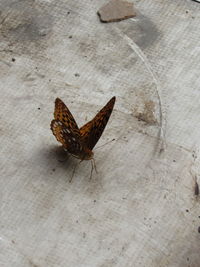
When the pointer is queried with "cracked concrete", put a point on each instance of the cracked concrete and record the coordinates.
(141, 208)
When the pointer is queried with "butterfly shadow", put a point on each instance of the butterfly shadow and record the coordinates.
(57, 158)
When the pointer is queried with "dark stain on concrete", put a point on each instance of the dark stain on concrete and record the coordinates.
(141, 30)
(147, 115)
(24, 25)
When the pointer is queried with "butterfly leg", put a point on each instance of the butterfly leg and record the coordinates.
(67, 156)
(91, 169)
(95, 167)
(74, 170)
(61, 161)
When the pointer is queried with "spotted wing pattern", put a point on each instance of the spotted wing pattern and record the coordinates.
(63, 114)
(92, 131)
(66, 136)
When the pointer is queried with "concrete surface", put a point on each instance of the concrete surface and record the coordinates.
(140, 209)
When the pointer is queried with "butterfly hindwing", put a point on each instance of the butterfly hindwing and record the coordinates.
(69, 139)
(92, 131)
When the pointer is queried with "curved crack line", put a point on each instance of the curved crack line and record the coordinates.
(144, 59)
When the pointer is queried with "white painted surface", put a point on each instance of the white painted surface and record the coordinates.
(140, 209)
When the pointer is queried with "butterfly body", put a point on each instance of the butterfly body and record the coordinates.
(79, 142)
(84, 154)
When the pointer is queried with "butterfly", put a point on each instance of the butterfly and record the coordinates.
(79, 142)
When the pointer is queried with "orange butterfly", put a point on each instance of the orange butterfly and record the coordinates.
(79, 142)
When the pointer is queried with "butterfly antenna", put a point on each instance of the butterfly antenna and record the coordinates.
(106, 143)
(74, 170)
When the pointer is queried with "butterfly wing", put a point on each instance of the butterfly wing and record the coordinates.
(92, 131)
(63, 114)
(65, 128)
(69, 139)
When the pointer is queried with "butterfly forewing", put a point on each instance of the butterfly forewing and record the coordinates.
(92, 131)
(63, 114)
(69, 139)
